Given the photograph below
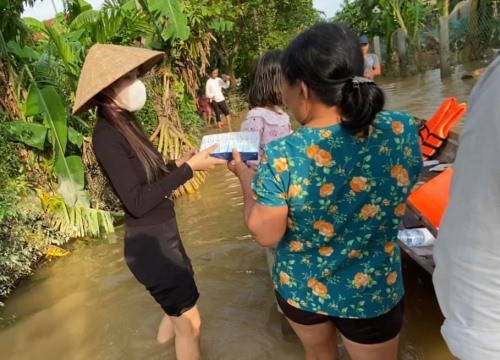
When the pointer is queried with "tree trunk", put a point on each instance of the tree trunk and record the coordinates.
(231, 73)
(8, 102)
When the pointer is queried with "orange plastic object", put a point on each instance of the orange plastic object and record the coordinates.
(431, 199)
(437, 118)
(435, 133)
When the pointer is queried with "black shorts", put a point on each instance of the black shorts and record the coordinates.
(220, 108)
(156, 257)
(362, 331)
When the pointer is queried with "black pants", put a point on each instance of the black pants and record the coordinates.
(362, 331)
(156, 257)
(220, 108)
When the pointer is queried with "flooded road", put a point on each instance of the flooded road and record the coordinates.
(88, 305)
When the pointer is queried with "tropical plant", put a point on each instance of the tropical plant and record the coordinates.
(49, 127)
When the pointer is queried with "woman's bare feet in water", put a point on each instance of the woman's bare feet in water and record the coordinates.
(165, 331)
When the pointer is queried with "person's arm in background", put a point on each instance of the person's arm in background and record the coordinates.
(265, 215)
(377, 69)
(224, 83)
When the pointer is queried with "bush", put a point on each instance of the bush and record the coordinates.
(23, 233)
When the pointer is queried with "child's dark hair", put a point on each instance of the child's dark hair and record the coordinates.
(328, 59)
(265, 81)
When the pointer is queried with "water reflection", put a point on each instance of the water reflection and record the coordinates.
(88, 306)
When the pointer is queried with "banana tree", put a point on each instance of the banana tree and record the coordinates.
(49, 132)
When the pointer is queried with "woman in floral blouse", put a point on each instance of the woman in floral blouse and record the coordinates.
(332, 196)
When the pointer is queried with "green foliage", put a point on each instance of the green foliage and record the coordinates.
(148, 116)
(23, 233)
(273, 24)
(170, 21)
(69, 169)
(191, 122)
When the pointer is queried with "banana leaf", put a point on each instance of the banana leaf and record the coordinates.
(69, 169)
(176, 26)
(31, 134)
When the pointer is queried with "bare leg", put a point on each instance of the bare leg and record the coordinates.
(384, 351)
(228, 119)
(187, 334)
(165, 330)
(319, 341)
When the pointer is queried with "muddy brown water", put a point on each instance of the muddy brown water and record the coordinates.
(88, 305)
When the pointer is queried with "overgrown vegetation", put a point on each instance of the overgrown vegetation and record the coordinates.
(51, 188)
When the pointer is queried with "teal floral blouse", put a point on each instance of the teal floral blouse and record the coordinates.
(346, 197)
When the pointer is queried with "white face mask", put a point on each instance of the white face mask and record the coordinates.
(132, 97)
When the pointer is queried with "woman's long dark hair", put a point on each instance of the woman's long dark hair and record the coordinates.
(327, 58)
(265, 81)
(128, 126)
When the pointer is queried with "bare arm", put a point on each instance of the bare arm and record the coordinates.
(224, 84)
(267, 224)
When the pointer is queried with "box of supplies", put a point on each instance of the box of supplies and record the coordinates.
(246, 142)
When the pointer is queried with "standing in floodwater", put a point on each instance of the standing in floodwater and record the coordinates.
(144, 182)
(372, 62)
(332, 196)
(267, 116)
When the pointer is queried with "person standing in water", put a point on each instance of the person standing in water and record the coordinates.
(144, 182)
(372, 62)
(332, 196)
(213, 91)
(266, 116)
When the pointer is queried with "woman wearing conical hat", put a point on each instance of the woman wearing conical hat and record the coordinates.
(143, 182)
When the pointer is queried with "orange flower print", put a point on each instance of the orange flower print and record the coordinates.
(324, 228)
(263, 159)
(400, 210)
(285, 278)
(369, 211)
(399, 173)
(389, 248)
(325, 134)
(391, 278)
(281, 165)
(358, 184)
(294, 190)
(318, 288)
(326, 190)
(295, 246)
(323, 158)
(398, 127)
(326, 251)
(294, 303)
(312, 151)
(354, 254)
(361, 280)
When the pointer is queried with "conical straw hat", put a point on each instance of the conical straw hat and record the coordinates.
(107, 63)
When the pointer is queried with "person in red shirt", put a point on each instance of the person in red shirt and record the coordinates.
(203, 107)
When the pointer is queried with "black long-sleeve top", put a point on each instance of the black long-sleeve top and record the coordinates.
(144, 204)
